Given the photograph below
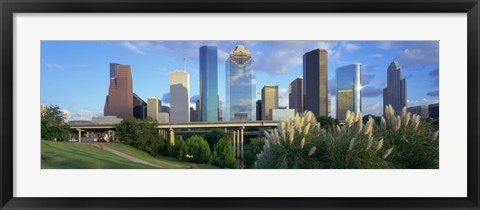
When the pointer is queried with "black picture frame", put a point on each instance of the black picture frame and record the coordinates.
(10, 7)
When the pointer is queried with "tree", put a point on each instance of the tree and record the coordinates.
(328, 122)
(199, 149)
(127, 131)
(180, 150)
(214, 136)
(223, 154)
(376, 118)
(53, 123)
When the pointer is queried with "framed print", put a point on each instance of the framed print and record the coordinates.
(239, 105)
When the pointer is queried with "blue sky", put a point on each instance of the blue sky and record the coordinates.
(75, 74)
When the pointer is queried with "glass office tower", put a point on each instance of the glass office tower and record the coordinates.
(349, 86)
(240, 86)
(208, 84)
(395, 93)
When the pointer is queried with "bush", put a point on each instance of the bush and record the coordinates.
(223, 154)
(199, 149)
(214, 136)
(143, 135)
(52, 123)
(398, 141)
(179, 151)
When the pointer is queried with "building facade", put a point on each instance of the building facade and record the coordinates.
(153, 107)
(220, 110)
(283, 114)
(349, 86)
(419, 110)
(208, 84)
(119, 101)
(315, 82)
(259, 109)
(395, 93)
(269, 101)
(295, 95)
(139, 107)
(240, 85)
(434, 110)
(179, 96)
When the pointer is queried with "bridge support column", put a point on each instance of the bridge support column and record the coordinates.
(79, 136)
(234, 145)
(172, 137)
(238, 144)
(241, 149)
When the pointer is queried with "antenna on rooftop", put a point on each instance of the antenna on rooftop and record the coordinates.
(184, 61)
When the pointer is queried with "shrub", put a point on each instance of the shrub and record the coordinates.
(214, 136)
(179, 151)
(223, 154)
(199, 149)
(399, 141)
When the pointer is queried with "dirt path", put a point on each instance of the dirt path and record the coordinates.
(128, 157)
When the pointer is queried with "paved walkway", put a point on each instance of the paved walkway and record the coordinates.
(128, 157)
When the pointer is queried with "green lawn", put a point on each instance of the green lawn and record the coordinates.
(166, 162)
(60, 155)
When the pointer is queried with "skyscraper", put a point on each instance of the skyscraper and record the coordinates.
(139, 107)
(119, 101)
(198, 111)
(349, 95)
(220, 109)
(269, 100)
(153, 107)
(315, 82)
(240, 85)
(396, 91)
(295, 95)
(259, 109)
(208, 84)
(179, 96)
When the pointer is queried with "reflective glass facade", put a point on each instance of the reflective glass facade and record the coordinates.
(240, 86)
(348, 89)
(208, 84)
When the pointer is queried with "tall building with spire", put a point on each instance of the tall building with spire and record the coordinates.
(395, 93)
(119, 101)
(240, 85)
(349, 86)
(315, 82)
(208, 84)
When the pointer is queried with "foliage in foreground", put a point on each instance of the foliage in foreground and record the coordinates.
(198, 149)
(223, 154)
(400, 141)
(52, 123)
(143, 135)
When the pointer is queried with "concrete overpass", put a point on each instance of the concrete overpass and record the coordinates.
(169, 129)
(238, 128)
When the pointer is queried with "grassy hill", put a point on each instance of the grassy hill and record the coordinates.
(60, 155)
(166, 162)
(63, 155)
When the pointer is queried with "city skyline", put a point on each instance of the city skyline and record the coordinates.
(277, 60)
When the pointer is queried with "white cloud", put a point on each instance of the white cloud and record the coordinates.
(283, 97)
(421, 102)
(385, 45)
(52, 65)
(350, 47)
(137, 47)
(81, 115)
(377, 55)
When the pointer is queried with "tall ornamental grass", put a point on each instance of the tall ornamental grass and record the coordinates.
(399, 141)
